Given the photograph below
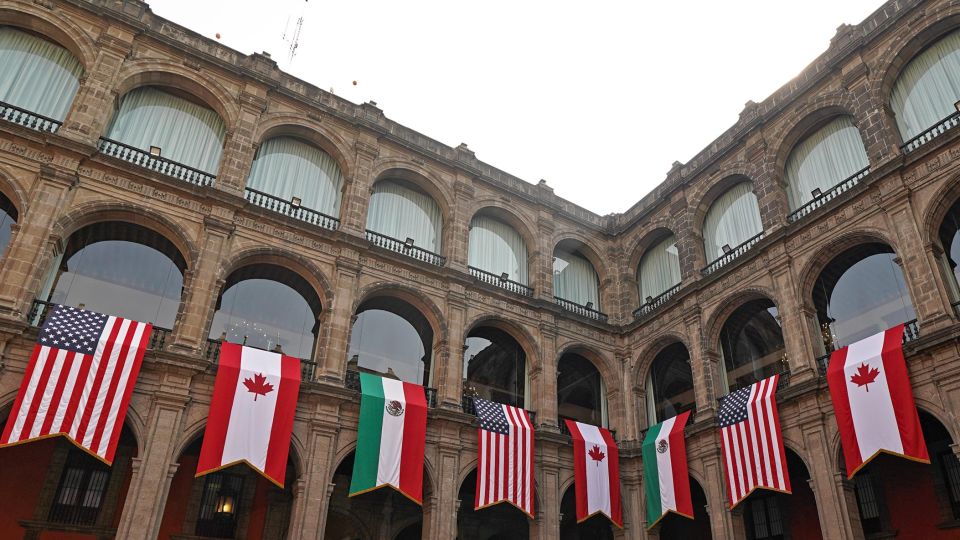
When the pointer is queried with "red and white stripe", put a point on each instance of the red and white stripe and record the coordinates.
(82, 396)
(505, 472)
(753, 449)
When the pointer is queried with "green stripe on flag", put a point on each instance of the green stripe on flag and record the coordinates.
(367, 457)
(651, 475)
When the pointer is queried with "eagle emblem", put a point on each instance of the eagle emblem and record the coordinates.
(662, 446)
(394, 407)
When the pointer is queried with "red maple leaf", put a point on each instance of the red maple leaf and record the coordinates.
(864, 376)
(596, 454)
(258, 386)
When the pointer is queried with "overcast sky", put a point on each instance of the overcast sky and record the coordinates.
(599, 102)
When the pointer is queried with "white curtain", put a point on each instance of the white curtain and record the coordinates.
(184, 131)
(824, 159)
(733, 219)
(37, 75)
(287, 167)
(925, 92)
(659, 269)
(497, 248)
(401, 212)
(575, 279)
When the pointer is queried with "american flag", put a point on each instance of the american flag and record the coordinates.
(79, 380)
(505, 447)
(752, 445)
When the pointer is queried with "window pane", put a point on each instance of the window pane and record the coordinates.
(824, 159)
(752, 343)
(497, 248)
(287, 167)
(579, 390)
(928, 87)
(732, 219)
(402, 211)
(659, 269)
(37, 75)
(494, 367)
(392, 339)
(575, 279)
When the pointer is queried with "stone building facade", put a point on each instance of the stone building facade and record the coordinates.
(59, 177)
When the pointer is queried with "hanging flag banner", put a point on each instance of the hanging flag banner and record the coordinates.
(665, 473)
(391, 437)
(505, 456)
(79, 380)
(596, 471)
(753, 455)
(251, 413)
(873, 401)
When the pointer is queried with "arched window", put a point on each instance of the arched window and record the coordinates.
(824, 159)
(400, 210)
(497, 522)
(37, 75)
(670, 384)
(732, 219)
(497, 248)
(172, 123)
(949, 235)
(268, 307)
(926, 90)
(574, 278)
(581, 394)
(8, 218)
(289, 168)
(494, 367)
(121, 269)
(861, 292)
(659, 269)
(751, 341)
(393, 339)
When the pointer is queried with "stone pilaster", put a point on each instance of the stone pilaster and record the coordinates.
(449, 375)
(542, 374)
(312, 503)
(239, 146)
(457, 248)
(334, 365)
(353, 216)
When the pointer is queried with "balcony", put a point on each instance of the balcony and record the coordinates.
(352, 382)
(911, 332)
(500, 281)
(405, 248)
(27, 119)
(155, 163)
(732, 254)
(829, 195)
(931, 133)
(291, 208)
(655, 303)
(212, 354)
(39, 310)
(581, 310)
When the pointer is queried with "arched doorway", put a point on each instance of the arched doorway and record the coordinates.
(775, 516)
(677, 527)
(500, 521)
(596, 527)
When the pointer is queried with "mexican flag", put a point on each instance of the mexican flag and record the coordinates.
(390, 438)
(665, 470)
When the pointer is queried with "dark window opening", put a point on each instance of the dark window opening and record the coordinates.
(81, 491)
(498, 521)
(670, 384)
(494, 367)
(8, 218)
(393, 339)
(763, 518)
(950, 241)
(219, 505)
(580, 391)
(752, 343)
(597, 527)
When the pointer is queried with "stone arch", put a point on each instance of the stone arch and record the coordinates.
(811, 270)
(285, 258)
(714, 323)
(422, 177)
(609, 374)
(500, 210)
(293, 125)
(644, 361)
(702, 205)
(815, 113)
(585, 246)
(55, 26)
(515, 330)
(100, 211)
(648, 239)
(163, 73)
(13, 190)
(423, 303)
(936, 210)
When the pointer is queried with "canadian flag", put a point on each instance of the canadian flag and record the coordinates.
(596, 472)
(873, 401)
(251, 413)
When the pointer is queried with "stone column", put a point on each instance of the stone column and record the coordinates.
(547, 524)
(449, 375)
(799, 355)
(443, 502)
(543, 379)
(458, 246)
(846, 492)
(239, 146)
(703, 362)
(334, 364)
(201, 288)
(832, 521)
(721, 525)
(541, 259)
(631, 484)
(154, 470)
(26, 267)
(312, 503)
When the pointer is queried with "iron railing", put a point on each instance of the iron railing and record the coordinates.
(27, 119)
(581, 310)
(931, 133)
(827, 196)
(564, 430)
(162, 165)
(729, 256)
(500, 281)
(352, 382)
(307, 367)
(405, 248)
(288, 208)
(655, 303)
(911, 332)
(468, 406)
(38, 315)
